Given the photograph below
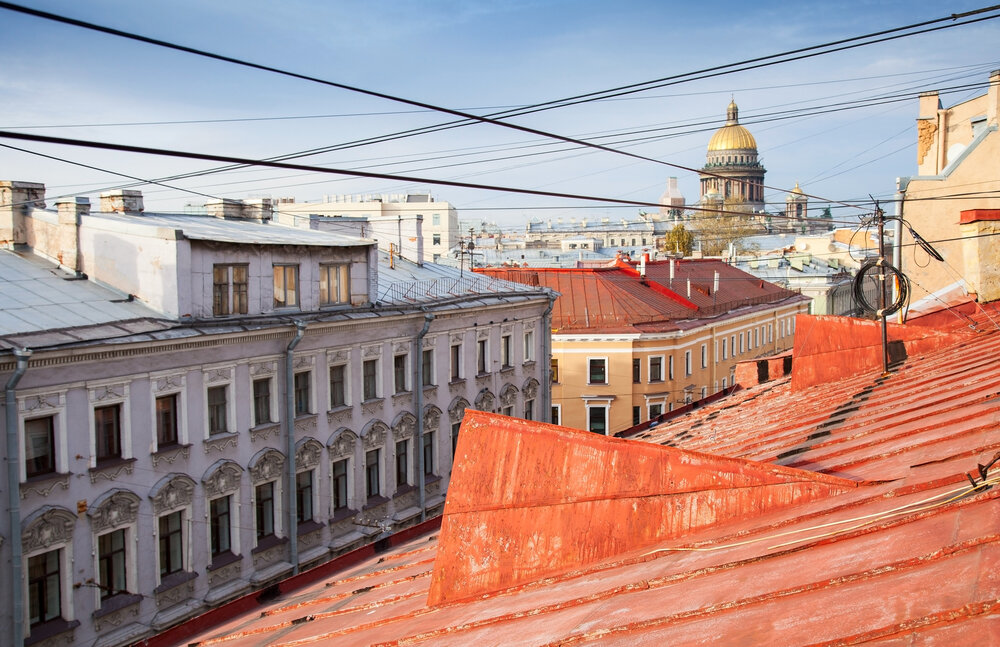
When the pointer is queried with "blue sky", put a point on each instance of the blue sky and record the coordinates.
(473, 56)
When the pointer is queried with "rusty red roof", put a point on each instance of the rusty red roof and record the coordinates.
(687, 535)
(618, 297)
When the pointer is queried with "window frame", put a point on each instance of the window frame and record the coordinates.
(373, 473)
(112, 451)
(482, 356)
(305, 493)
(400, 373)
(51, 464)
(213, 409)
(427, 357)
(289, 273)
(236, 297)
(343, 479)
(345, 385)
(529, 346)
(342, 284)
(401, 456)
(687, 364)
(506, 351)
(220, 526)
(302, 392)
(455, 361)
(181, 536)
(655, 369)
(258, 399)
(590, 370)
(259, 510)
(591, 408)
(64, 599)
(555, 409)
(375, 392)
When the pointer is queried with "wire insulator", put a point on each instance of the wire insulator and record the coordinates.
(890, 271)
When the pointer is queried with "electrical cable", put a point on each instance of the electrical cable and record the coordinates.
(880, 266)
(955, 18)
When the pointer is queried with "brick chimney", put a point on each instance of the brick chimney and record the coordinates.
(71, 210)
(17, 199)
(122, 201)
(226, 208)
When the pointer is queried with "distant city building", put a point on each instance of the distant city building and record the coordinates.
(952, 201)
(204, 404)
(732, 171)
(633, 340)
(424, 229)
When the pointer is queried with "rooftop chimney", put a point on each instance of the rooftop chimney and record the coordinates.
(71, 210)
(122, 201)
(17, 199)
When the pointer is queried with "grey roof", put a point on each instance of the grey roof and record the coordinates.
(203, 227)
(409, 283)
(37, 296)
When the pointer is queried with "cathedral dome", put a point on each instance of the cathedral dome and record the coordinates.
(732, 136)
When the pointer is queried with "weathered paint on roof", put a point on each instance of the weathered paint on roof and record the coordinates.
(910, 558)
(619, 298)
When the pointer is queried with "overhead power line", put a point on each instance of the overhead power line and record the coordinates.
(757, 62)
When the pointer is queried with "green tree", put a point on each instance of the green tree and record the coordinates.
(679, 239)
(717, 230)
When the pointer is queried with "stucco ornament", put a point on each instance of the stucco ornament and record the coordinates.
(307, 453)
(171, 492)
(485, 401)
(508, 396)
(46, 527)
(457, 409)
(115, 508)
(432, 418)
(343, 442)
(374, 434)
(404, 426)
(266, 465)
(223, 477)
(530, 389)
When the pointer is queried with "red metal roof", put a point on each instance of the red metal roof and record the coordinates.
(618, 298)
(907, 553)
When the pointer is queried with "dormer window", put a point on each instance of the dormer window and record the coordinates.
(286, 286)
(229, 290)
(334, 284)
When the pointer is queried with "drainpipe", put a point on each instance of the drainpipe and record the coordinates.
(546, 385)
(418, 399)
(14, 494)
(293, 530)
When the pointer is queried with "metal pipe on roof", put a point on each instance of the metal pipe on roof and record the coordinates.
(418, 399)
(293, 530)
(14, 494)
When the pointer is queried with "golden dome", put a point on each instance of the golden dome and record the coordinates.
(732, 136)
(797, 189)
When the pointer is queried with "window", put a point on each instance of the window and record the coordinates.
(482, 356)
(220, 538)
(301, 387)
(637, 370)
(505, 351)
(598, 372)
(655, 410)
(597, 419)
(399, 373)
(704, 392)
(732, 345)
(529, 346)
(262, 401)
(171, 543)
(334, 284)
(166, 420)
(402, 463)
(656, 368)
(338, 386)
(44, 587)
(456, 362)
(264, 510)
(428, 449)
(741, 342)
(770, 332)
(724, 353)
(436, 239)
(670, 367)
(217, 405)
(111, 563)
(529, 409)
(507, 411)
(229, 290)
(427, 367)
(554, 370)
(39, 446)
(107, 427)
(436, 220)
(555, 415)
(372, 476)
(286, 286)
(687, 363)
(370, 379)
(704, 356)
(724, 382)
(340, 485)
(304, 496)
(455, 427)
(636, 415)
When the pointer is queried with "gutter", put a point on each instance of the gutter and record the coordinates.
(14, 495)
(293, 530)
(418, 400)
(546, 411)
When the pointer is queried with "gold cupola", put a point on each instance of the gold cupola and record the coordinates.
(732, 136)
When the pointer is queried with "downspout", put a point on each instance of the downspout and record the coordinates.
(418, 399)
(546, 375)
(293, 530)
(14, 494)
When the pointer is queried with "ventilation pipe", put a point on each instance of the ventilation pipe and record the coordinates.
(671, 272)
(642, 265)
(689, 287)
(715, 283)
(14, 495)
(418, 399)
(293, 529)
